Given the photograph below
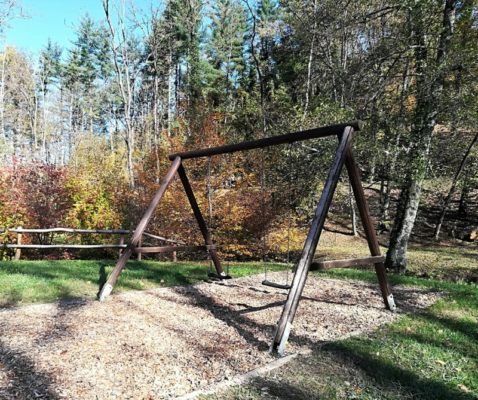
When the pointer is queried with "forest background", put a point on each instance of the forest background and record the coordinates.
(85, 130)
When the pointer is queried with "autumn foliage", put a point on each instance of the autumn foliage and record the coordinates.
(92, 192)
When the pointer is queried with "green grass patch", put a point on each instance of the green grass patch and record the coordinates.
(454, 264)
(429, 355)
(45, 281)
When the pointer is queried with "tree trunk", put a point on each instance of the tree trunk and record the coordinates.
(403, 226)
(352, 210)
(429, 88)
(309, 66)
(453, 187)
(463, 196)
(2, 98)
(120, 50)
(43, 145)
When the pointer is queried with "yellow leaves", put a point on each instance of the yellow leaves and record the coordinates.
(279, 240)
(410, 103)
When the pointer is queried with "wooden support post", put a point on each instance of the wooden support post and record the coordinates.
(201, 222)
(18, 251)
(369, 228)
(121, 243)
(140, 255)
(288, 313)
(351, 262)
(138, 233)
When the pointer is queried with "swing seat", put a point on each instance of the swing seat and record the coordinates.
(265, 282)
(219, 277)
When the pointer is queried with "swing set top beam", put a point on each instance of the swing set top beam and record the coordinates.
(269, 141)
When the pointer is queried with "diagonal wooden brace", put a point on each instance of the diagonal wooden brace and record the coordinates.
(138, 233)
(202, 223)
(369, 228)
(288, 313)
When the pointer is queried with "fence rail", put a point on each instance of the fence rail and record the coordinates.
(86, 231)
(121, 245)
(64, 246)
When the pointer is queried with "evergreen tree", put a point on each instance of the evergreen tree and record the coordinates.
(49, 69)
(226, 49)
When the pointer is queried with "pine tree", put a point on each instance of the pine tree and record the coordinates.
(49, 69)
(49, 72)
(226, 49)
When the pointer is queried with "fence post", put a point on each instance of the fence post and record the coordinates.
(121, 243)
(18, 252)
(175, 257)
(139, 245)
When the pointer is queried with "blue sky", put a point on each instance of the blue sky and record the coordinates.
(55, 19)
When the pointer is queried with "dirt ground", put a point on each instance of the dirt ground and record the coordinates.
(167, 342)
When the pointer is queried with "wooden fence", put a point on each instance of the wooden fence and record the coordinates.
(20, 231)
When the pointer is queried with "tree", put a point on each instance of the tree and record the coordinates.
(453, 186)
(127, 68)
(8, 8)
(49, 71)
(432, 68)
(226, 51)
(18, 116)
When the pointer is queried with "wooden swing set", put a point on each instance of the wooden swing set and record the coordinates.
(343, 155)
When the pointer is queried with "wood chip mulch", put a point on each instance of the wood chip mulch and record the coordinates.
(167, 342)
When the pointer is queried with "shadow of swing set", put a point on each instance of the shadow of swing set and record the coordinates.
(343, 155)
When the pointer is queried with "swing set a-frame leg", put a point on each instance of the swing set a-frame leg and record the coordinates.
(176, 167)
(343, 155)
(368, 227)
(201, 222)
(298, 282)
(138, 232)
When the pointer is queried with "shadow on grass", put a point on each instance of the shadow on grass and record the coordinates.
(12, 298)
(55, 276)
(451, 253)
(281, 390)
(25, 381)
(469, 329)
(393, 377)
(103, 277)
(323, 374)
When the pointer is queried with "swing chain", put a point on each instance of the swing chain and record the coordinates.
(263, 211)
(209, 205)
(289, 208)
(289, 219)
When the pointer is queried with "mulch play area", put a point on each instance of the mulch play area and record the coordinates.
(167, 342)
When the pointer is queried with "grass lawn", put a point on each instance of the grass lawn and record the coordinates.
(430, 355)
(455, 264)
(23, 282)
